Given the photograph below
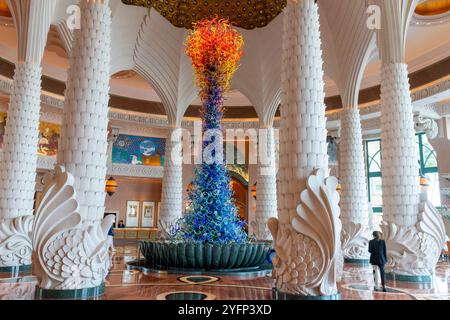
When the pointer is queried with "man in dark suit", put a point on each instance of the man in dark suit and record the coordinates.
(378, 258)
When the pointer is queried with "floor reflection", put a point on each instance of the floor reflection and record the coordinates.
(122, 284)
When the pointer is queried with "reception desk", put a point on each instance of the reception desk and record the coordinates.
(136, 233)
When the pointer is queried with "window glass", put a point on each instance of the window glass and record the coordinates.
(428, 168)
(373, 157)
(429, 155)
(375, 192)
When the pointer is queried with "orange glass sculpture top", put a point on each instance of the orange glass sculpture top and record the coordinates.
(433, 7)
(215, 49)
(4, 10)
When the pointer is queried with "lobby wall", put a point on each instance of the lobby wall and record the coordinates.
(134, 189)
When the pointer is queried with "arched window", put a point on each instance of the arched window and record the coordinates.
(373, 157)
(428, 168)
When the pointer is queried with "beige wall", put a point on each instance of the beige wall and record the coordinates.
(134, 189)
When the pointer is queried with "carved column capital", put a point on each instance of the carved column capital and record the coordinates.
(427, 125)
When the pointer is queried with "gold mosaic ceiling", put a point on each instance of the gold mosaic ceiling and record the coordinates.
(247, 14)
(433, 7)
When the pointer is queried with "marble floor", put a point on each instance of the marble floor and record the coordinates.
(122, 284)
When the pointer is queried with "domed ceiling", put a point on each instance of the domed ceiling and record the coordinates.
(433, 7)
(247, 14)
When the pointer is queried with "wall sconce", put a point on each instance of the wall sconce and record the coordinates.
(253, 190)
(111, 186)
(424, 182)
(338, 188)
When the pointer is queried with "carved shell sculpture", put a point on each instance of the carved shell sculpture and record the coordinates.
(15, 241)
(307, 249)
(355, 240)
(67, 254)
(416, 250)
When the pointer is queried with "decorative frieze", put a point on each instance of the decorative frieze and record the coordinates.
(127, 170)
(117, 169)
(48, 99)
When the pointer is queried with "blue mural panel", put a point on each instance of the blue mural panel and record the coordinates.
(137, 150)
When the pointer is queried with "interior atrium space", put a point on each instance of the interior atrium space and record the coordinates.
(251, 152)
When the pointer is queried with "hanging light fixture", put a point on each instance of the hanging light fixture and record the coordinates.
(424, 182)
(111, 186)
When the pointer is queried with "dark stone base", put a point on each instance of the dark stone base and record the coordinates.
(357, 261)
(16, 271)
(146, 268)
(413, 279)
(204, 256)
(77, 294)
(278, 295)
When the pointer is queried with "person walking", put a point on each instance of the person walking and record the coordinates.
(111, 239)
(378, 258)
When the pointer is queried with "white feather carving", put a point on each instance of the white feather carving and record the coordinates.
(15, 244)
(318, 219)
(355, 240)
(414, 251)
(431, 222)
(68, 254)
(307, 249)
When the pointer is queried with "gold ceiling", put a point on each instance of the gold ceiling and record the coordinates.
(4, 10)
(433, 7)
(247, 14)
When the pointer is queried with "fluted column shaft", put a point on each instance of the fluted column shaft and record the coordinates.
(412, 228)
(83, 149)
(300, 266)
(18, 159)
(399, 158)
(354, 199)
(303, 145)
(172, 183)
(18, 163)
(18, 166)
(266, 190)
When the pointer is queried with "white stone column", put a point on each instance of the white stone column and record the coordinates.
(306, 234)
(84, 133)
(70, 236)
(18, 164)
(19, 158)
(172, 184)
(413, 229)
(266, 187)
(354, 199)
(399, 159)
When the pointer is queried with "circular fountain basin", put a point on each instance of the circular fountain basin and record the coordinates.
(204, 256)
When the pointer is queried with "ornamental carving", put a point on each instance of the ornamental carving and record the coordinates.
(308, 257)
(68, 253)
